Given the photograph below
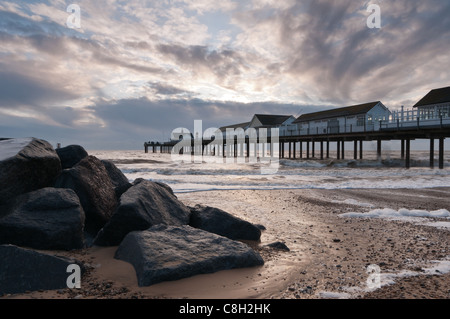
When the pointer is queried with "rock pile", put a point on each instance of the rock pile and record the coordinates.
(67, 199)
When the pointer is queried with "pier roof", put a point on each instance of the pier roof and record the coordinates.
(436, 96)
(234, 126)
(343, 111)
(271, 120)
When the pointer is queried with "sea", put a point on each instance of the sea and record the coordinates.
(210, 174)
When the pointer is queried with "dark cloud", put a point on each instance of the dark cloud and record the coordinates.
(328, 46)
(165, 115)
(29, 90)
(166, 89)
(197, 58)
(51, 38)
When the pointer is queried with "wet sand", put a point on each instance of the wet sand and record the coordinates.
(328, 256)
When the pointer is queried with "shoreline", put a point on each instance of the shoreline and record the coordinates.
(328, 255)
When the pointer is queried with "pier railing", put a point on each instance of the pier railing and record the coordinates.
(406, 120)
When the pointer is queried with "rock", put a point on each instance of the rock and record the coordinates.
(222, 223)
(90, 181)
(167, 187)
(260, 227)
(24, 270)
(48, 218)
(118, 179)
(26, 165)
(279, 246)
(143, 205)
(164, 253)
(71, 155)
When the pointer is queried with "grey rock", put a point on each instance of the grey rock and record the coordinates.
(26, 165)
(118, 179)
(48, 218)
(24, 270)
(165, 253)
(278, 246)
(167, 187)
(71, 155)
(90, 181)
(222, 223)
(260, 227)
(143, 205)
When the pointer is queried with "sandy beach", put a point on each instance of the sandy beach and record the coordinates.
(328, 254)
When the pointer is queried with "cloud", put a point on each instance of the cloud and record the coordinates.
(138, 67)
(327, 47)
(198, 59)
(166, 89)
(18, 90)
(128, 123)
(145, 114)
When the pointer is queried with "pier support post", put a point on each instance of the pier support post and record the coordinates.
(402, 149)
(313, 150)
(146, 147)
(408, 153)
(431, 152)
(307, 149)
(343, 149)
(321, 150)
(378, 149)
(301, 149)
(295, 151)
(328, 149)
(290, 150)
(355, 149)
(441, 152)
(271, 149)
(361, 142)
(338, 149)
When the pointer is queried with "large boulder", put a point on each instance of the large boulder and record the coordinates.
(143, 205)
(24, 270)
(71, 155)
(48, 218)
(222, 223)
(164, 253)
(26, 165)
(90, 181)
(118, 179)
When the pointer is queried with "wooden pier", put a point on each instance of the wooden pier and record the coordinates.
(300, 147)
(165, 147)
(404, 136)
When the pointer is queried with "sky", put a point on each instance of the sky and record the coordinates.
(136, 70)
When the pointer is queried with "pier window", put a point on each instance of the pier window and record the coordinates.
(360, 121)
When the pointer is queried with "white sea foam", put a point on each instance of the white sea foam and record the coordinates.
(351, 201)
(435, 267)
(403, 212)
(292, 174)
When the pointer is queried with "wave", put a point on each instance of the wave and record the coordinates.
(290, 174)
